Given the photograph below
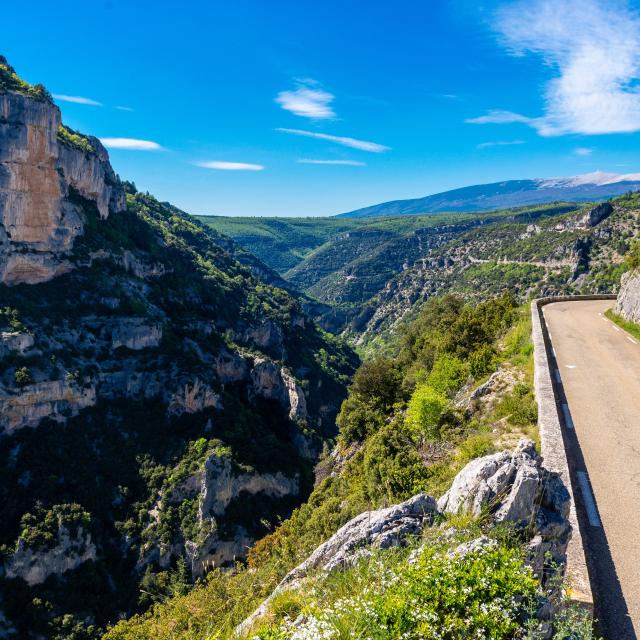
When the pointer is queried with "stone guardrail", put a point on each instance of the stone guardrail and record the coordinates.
(554, 451)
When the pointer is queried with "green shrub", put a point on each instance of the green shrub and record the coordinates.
(23, 377)
(424, 413)
(448, 374)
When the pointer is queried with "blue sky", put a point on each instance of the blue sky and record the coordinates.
(315, 108)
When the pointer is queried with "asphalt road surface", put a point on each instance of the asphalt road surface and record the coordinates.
(598, 385)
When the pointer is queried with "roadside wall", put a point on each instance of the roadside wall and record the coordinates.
(554, 452)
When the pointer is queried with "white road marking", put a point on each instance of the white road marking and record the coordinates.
(616, 328)
(599, 314)
(589, 502)
(567, 416)
(570, 366)
(558, 377)
(630, 339)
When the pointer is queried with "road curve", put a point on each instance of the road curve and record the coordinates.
(598, 375)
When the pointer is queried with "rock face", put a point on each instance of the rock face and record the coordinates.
(15, 341)
(628, 303)
(55, 399)
(135, 333)
(215, 487)
(39, 175)
(271, 381)
(35, 566)
(507, 482)
(596, 215)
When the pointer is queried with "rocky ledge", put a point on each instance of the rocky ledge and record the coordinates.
(510, 486)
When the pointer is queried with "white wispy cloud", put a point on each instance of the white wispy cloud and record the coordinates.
(351, 163)
(229, 166)
(583, 151)
(499, 117)
(121, 108)
(132, 144)
(594, 48)
(499, 143)
(77, 100)
(363, 145)
(309, 100)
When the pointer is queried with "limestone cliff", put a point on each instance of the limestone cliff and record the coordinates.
(41, 170)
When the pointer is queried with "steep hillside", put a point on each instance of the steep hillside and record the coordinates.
(161, 404)
(427, 423)
(511, 193)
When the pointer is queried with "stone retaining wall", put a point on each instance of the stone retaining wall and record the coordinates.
(554, 452)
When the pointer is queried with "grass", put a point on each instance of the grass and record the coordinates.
(630, 327)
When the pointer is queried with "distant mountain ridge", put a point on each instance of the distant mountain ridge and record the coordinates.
(598, 185)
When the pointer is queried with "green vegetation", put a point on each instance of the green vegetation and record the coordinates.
(75, 139)
(488, 595)
(630, 327)
(9, 81)
(40, 529)
(380, 459)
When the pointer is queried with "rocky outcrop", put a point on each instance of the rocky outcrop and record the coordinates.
(135, 333)
(16, 341)
(269, 380)
(40, 177)
(596, 215)
(506, 483)
(381, 529)
(34, 566)
(193, 398)
(55, 399)
(628, 303)
(215, 486)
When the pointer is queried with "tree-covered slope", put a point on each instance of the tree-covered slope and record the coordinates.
(162, 401)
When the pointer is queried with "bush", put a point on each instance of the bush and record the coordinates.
(487, 595)
(23, 377)
(424, 413)
(448, 374)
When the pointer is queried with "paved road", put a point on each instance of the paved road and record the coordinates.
(599, 369)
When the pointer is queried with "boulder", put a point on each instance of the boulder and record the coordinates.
(505, 484)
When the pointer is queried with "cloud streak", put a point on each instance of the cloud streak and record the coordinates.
(350, 163)
(499, 143)
(593, 46)
(221, 165)
(132, 144)
(583, 151)
(309, 100)
(77, 100)
(362, 145)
